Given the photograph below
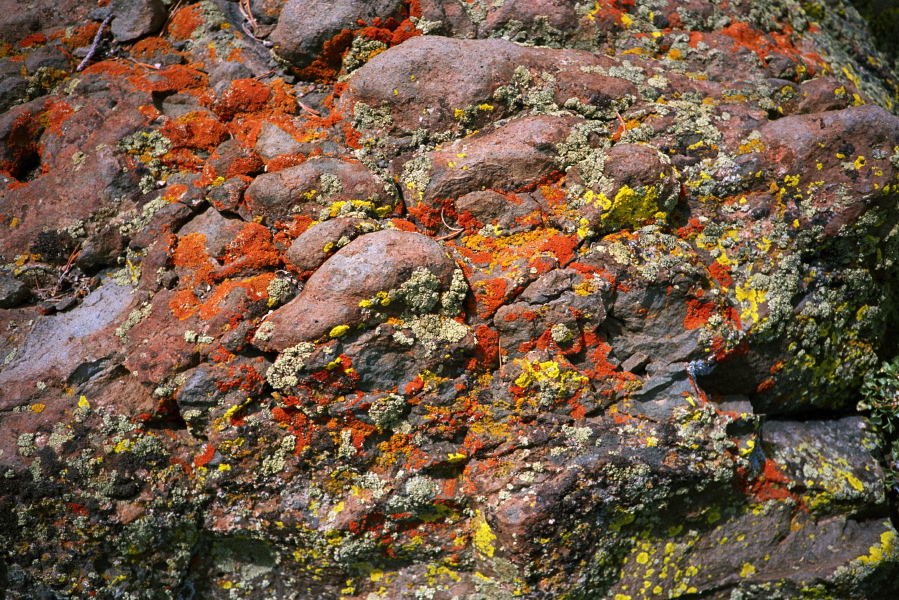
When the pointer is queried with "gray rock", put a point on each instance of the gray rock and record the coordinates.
(12, 291)
(59, 345)
(136, 18)
(50, 57)
(314, 245)
(273, 141)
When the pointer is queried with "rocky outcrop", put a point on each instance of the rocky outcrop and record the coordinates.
(446, 300)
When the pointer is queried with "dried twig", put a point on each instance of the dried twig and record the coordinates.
(143, 64)
(309, 110)
(244, 7)
(66, 269)
(247, 11)
(450, 236)
(442, 208)
(95, 44)
(266, 74)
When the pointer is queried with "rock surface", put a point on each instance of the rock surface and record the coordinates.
(438, 299)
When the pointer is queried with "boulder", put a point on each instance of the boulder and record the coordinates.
(339, 293)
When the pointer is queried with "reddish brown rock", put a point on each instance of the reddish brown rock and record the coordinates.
(377, 262)
(845, 149)
(314, 186)
(320, 241)
(304, 28)
(513, 157)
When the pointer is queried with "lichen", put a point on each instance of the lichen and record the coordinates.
(284, 372)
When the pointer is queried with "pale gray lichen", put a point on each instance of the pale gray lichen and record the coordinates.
(361, 51)
(419, 293)
(416, 175)
(431, 329)
(386, 410)
(560, 333)
(264, 333)
(278, 290)
(192, 337)
(347, 448)
(25, 444)
(275, 462)
(289, 363)
(451, 300)
(134, 317)
(367, 117)
(578, 435)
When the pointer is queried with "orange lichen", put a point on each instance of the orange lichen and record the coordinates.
(176, 78)
(698, 313)
(149, 46)
(490, 294)
(184, 303)
(185, 21)
(244, 96)
(284, 161)
(771, 484)
(205, 456)
(252, 248)
(327, 65)
(256, 287)
(81, 36)
(190, 253)
(721, 274)
(21, 145)
(195, 130)
(35, 39)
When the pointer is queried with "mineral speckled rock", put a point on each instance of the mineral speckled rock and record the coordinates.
(438, 299)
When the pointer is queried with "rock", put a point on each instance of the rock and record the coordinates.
(135, 19)
(839, 458)
(424, 98)
(304, 28)
(379, 262)
(74, 344)
(507, 214)
(273, 141)
(677, 223)
(48, 57)
(822, 94)
(217, 231)
(101, 249)
(228, 197)
(12, 291)
(514, 156)
(13, 89)
(320, 241)
(323, 184)
(637, 185)
(407, 87)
